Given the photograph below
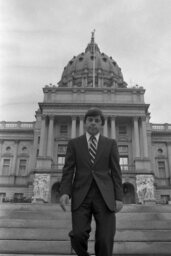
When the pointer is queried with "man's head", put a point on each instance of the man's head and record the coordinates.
(94, 120)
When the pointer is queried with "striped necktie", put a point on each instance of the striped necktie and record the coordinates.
(92, 148)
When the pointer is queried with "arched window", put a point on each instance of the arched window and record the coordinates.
(160, 151)
(24, 149)
(8, 149)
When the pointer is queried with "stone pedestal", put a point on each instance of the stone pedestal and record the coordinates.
(145, 188)
(142, 165)
(41, 188)
(44, 162)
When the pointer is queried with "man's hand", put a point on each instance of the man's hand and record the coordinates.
(119, 205)
(64, 200)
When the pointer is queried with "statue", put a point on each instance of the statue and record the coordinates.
(145, 188)
(41, 187)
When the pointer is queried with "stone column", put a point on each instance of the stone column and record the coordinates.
(113, 127)
(1, 143)
(50, 136)
(105, 128)
(81, 127)
(34, 151)
(144, 136)
(73, 127)
(42, 136)
(169, 158)
(14, 166)
(136, 137)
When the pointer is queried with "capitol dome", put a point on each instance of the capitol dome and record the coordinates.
(92, 69)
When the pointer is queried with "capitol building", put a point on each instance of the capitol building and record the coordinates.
(32, 154)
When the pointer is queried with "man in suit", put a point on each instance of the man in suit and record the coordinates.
(92, 179)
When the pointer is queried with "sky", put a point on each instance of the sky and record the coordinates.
(39, 37)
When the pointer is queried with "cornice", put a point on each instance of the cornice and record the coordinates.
(86, 89)
(85, 105)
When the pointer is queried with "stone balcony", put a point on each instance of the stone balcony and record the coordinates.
(16, 125)
(161, 127)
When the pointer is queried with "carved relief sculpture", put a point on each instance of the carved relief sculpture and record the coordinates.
(145, 188)
(41, 187)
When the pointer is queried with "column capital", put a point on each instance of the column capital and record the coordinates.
(143, 118)
(43, 116)
(73, 117)
(136, 118)
(113, 117)
(51, 117)
(106, 117)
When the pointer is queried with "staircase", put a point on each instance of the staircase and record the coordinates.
(42, 229)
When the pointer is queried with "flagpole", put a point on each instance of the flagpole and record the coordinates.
(93, 58)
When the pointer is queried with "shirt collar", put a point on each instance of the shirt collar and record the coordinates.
(88, 135)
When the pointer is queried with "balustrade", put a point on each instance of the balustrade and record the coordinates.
(161, 127)
(18, 125)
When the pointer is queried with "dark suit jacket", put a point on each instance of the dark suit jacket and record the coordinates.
(78, 172)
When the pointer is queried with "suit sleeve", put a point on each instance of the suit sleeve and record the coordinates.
(68, 171)
(116, 172)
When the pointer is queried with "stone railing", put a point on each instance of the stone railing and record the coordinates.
(57, 167)
(161, 127)
(17, 125)
(127, 168)
(162, 181)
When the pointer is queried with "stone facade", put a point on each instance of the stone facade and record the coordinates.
(29, 150)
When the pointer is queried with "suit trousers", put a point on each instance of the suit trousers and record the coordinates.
(93, 205)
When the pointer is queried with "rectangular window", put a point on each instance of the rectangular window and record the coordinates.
(38, 139)
(61, 155)
(62, 149)
(2, 197)
(64, 129)
(122, 130)
(124, 163)
(161, 169)
(6, 167)
(18, 197)
(61, 161)
(37, 153)
(165, 199)
(22, 166)
(123, 149)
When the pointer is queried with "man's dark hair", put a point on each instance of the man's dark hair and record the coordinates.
(94, 112)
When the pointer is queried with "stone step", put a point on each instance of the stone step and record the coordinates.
(39, 234)
(92, 254)
(55, 208)
(66, 224)
(28, 229)
(59, 215)
(63, 247)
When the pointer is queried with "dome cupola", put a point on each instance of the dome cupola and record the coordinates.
(92, 69)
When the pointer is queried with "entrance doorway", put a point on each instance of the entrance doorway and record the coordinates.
(55, 193)
(129, 193)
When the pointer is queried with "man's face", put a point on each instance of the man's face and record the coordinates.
(93, 124)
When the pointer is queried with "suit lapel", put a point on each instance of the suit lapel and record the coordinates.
(84, 147)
